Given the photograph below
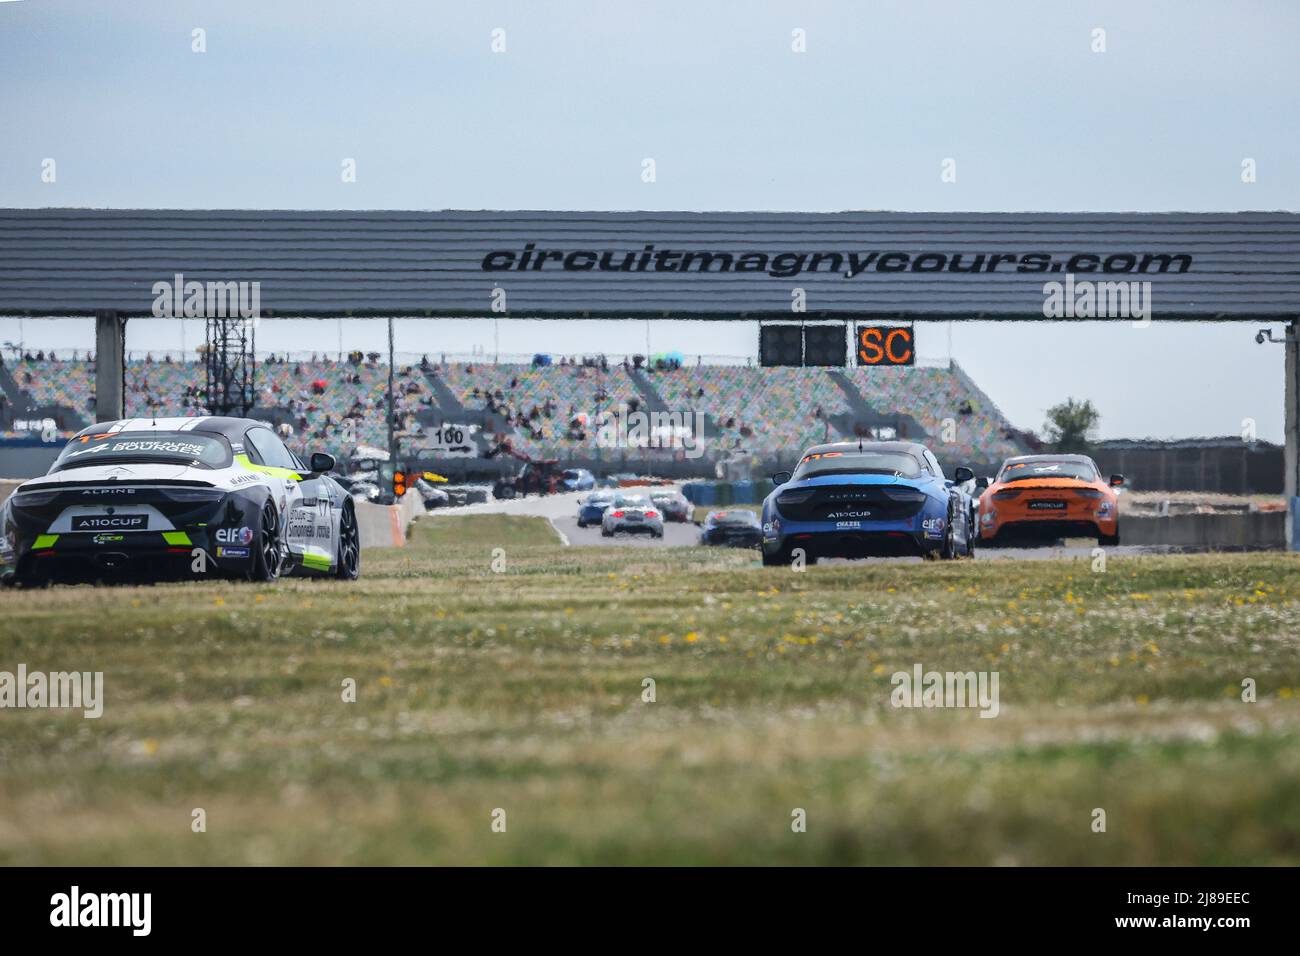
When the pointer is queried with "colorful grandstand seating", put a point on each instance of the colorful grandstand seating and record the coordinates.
(761, 410)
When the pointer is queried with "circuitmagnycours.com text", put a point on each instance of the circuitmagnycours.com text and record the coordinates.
(785, 265)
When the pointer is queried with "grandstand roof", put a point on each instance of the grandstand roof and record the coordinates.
(624, 264)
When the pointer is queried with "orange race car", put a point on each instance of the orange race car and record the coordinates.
(1050, 496)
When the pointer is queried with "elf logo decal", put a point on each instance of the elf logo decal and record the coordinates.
(109, 522)
(234, 535)
(933, 527)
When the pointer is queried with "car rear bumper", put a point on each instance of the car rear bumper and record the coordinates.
(1040, 529)
(642, 528)
(70, 558)
(854, 544)
(750, 539)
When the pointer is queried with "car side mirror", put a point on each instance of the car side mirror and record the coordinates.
(982, 482)
(321, 462)
(781, 477)
(1116, 481)
(963, 475)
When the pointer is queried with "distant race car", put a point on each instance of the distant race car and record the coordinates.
(176, 498)
(738, 528)
(674, 505)
(863, 499)
(577, 479)
(1049, 497)
(432, 495)
(592, 508)
(632, 514)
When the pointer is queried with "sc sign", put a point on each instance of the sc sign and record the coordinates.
(886, 345)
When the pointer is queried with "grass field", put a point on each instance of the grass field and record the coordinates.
(522, 691)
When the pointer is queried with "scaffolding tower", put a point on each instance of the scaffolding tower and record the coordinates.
(230, 365)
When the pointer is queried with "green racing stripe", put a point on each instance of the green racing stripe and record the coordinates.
(317, 562)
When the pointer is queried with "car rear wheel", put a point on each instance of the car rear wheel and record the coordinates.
(949, 550)
(266, 563)
(349, 554)
(1108, 540)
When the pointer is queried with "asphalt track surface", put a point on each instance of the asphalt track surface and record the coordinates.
(562, 511)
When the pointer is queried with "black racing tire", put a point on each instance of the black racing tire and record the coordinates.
(604, 533)
(779, 560)
(949, 550)
(269, 556)
(1108, 540)
(348, 557)
(581, 523)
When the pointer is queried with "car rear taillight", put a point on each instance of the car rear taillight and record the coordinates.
(794, 497)
(1006, 495)
(618, 514)
(652, 514)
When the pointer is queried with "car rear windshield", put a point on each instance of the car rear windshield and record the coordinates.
(1024, 470)
(631, 501)
(858, 463)
(171, 448)
(735, 517)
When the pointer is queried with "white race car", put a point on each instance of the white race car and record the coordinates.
(632, 514)
(178, 498)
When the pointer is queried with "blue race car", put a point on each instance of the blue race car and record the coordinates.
(577, 479)
(867, 499)
(591, 509)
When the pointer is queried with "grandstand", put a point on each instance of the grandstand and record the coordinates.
(555, 410)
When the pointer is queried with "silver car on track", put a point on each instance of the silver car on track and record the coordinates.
(632, 514)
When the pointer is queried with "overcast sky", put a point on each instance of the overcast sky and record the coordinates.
(734, 119)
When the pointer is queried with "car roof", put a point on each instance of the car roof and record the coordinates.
(907, 447)
(1080, 459)
(218, 424)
